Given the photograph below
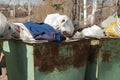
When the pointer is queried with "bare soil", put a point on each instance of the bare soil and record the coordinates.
(3, 76)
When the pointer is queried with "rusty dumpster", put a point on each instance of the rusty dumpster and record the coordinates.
(42, 60)
(104, 60)
(109, 59)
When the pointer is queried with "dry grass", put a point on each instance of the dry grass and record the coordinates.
(51, 6)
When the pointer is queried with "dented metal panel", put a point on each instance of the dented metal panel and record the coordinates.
(109, 59)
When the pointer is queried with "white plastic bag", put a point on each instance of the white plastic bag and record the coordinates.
(4, 27)
(19, 31)
(61, 23)
(78, 35)
(93, 31)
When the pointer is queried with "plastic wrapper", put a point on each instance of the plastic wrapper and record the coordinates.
(94, 31)
(113, 29)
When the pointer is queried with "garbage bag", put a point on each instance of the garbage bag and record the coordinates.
(4, 27)
(19, 31)
(113, 29)
(78, 35)
(93, 31)
(61, 23)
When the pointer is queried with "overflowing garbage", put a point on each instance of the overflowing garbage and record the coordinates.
(113, 29)
(55, 27)
(61, 23)
(4, 27)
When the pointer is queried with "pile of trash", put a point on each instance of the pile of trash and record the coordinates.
(93, 31)
(113, 29)
(110, 28)
(55, 27)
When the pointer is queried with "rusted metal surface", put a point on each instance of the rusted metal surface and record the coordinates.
(110, 49)
(106, 55)
(109, 59)
(61, 55)
(91, 66)
(92, 57)
(94, 49)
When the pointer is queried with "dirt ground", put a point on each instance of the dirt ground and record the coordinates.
(3, 66)
(3, 76)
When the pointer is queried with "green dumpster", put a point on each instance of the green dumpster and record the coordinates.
(109, 59)
(42, 60)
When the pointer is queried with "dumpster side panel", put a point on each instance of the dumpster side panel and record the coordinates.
(109, 60)
(92, 65)
(61, 61)
(19, 61)
(46, 61)
(70, 74)
(30, 63)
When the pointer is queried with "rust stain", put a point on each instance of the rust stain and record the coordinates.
(49, 58)
(46, 64)
(80, 55)
(106, 55)
(92, 56)
(44, 58)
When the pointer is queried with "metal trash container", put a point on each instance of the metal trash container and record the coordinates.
(109, 59)
(42, 60)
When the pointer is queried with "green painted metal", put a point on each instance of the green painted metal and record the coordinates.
(19, 60)
(47, 60)
(91, 67)
(70, 73)
(97, 59)
(109, 59)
